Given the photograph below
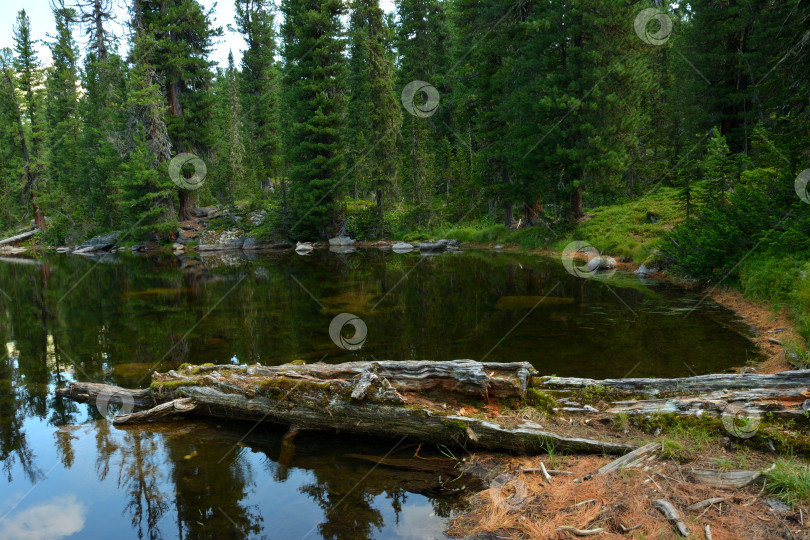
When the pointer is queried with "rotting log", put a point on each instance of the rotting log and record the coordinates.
(783, 403)
(466, 377)
(699, 383)
(427, 401)
(356, 398)
(785, 394)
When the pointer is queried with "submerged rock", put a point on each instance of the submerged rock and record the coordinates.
(432, 247)
(254, 244)
(343, 250)
(402, 247)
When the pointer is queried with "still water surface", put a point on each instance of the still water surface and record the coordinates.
(68, 473)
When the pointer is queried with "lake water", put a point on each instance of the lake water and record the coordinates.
(68, 473)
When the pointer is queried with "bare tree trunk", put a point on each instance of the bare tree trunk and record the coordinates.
(507, 215)
(576, 203)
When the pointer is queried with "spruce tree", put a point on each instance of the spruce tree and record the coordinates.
(315, 78)
(66, 189)
(377, 102)
(182, 37)
(230, 169)
(259, 85)
(14, 153)
(422, 43)
(103, 135)
(30, 78)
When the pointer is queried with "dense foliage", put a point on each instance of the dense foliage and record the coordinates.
(445, 114)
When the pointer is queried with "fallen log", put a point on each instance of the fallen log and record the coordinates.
(19, 237)
(784, 394)
(783, 403)
(699, 383)
(323, 397)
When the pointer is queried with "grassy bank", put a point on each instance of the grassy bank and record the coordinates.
(630, 230)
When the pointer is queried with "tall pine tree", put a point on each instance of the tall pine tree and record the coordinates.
(260, 87)
(315, 79)
(378, 105)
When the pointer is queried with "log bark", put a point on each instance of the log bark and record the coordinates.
(783, 403)
(465, 377)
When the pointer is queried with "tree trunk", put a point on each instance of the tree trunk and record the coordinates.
(186, 205)
(576, 203)
(508, 218)
(380, 213)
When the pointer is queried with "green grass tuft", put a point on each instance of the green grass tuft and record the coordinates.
(790, 481)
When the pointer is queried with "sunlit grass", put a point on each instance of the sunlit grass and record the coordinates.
(623, 230)
(790, 481)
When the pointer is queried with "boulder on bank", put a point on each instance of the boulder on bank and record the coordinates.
(206, 211)
(601, 263)
(98, 243)
(341, 240)
(229, 239)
